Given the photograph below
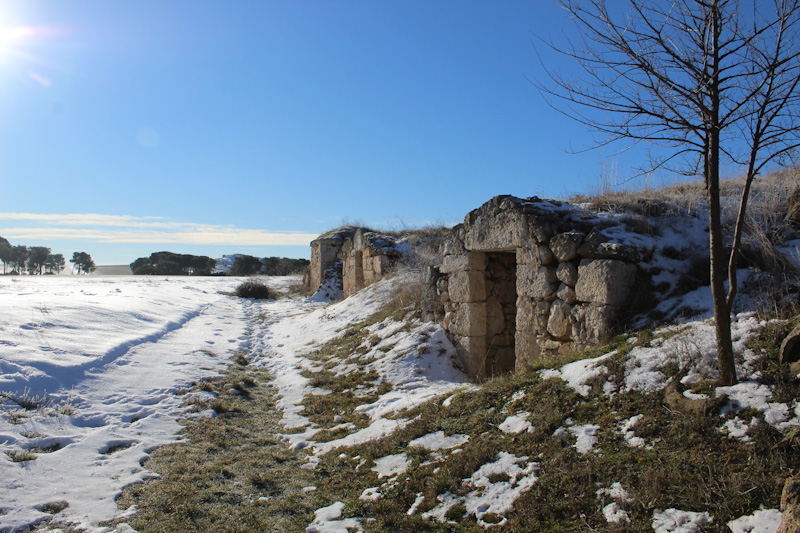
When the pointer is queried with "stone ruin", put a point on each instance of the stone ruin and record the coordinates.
(519, 280)
(522, 280)
(351, 258)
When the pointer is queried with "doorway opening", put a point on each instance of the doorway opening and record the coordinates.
(501, 312)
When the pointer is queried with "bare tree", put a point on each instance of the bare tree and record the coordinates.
(705, 83)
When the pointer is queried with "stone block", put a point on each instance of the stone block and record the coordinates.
(565, 245)
(469, 319)
(566, 293)
(567, 273)
(605, 281)
(546, 254)
(542, 231)
(472, 351)
(558, 324)
(600, 321)
(501, 230)
(467, 286)
(545, 284)
(529, 255)
(463, 261)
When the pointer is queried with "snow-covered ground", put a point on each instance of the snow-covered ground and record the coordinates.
(108, 359)
(104, 357)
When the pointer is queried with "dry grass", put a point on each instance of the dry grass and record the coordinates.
(231, 474)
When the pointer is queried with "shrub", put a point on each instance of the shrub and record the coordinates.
(253, 289)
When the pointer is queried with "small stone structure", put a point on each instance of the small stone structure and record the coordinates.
(527, 279)
(357, 256)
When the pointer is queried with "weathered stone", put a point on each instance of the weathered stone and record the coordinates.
(550, 345)
(543, 231)
(605, 281)
(790, 347)
(558, 325)
(596, 246)
(545, 284)
(566, 293)
(567, 273)
(451, 248)
(542, 308)
(469, 319)
(540, 324)
(431, 275)
(474, 350)
(599, 321)
(790, 506)
(674, 399)
(497, 225)
(565, 245)
(468, 286)
(442, 285)
(545, 254)
(464, 261)
(529, 255)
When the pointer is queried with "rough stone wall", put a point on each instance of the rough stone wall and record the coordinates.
(365, 257)
(572, 286)
(325, 252)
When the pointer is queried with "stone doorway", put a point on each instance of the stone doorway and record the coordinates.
(501, 312)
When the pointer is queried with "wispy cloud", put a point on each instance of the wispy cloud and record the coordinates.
(131, 229)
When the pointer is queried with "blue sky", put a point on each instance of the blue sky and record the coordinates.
(215, 127)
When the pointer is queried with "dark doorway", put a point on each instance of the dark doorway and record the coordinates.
(501, 312)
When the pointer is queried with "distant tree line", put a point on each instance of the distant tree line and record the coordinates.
(247, 265)
(19, 259)
(172, 264)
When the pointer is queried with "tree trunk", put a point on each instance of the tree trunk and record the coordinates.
(722, 311)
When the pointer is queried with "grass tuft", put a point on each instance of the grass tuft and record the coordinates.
(257, 290)
(21, 456)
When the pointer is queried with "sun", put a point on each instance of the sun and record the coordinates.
(12, 38)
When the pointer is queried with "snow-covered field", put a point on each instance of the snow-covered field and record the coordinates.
(109, 360)
(104, 357)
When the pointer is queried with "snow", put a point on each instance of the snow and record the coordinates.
(693, 348)
(111, 360)
(761, 521)
(415, 506)
(418, 370)
(579, 373)
(584, 435)
(616, 491)
(677, 521)
(117, 351)
(754, 395)
(517, 423)
(626, 428)
(391, 465)
(438, 441)
(614, 514)
(515, 477)
(326, 520)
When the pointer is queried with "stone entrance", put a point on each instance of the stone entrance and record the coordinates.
(522, 280)
(501, 312)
